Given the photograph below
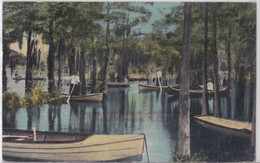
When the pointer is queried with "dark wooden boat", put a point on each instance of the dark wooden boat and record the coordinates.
(35, 78)
(95, 97)
(71, 147)
(113, 84)
(89, 83)
(226, 126)
(143, 87)
(118, 84)
(196, 93)
(137, 79)
(18, 78)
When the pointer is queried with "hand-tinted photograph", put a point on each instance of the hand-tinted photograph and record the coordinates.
(128, 81)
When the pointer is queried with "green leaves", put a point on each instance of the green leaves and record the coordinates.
(239, 17)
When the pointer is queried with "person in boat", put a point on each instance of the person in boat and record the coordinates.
(16, 74)
(210, 85)
(224, 83)
(74, 80)
(158, 77)
(125, 79)
(149, 76)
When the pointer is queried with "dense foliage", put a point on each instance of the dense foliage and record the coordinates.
(35, 97)
(78, 39)
(237, 18)
(11, 101)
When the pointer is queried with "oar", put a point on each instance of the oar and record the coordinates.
(68, 100)
(160, 84)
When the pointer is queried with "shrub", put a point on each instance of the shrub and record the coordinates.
(98, 87)
(39, 97)
(54, 97)
(11, 101)
(35, 97)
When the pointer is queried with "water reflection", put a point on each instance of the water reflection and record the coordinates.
(104, 106)
(128, 111)
(30, 118)
(220, 147)
(82, 112)
(240, 95)
(239, 104)
(54, 117)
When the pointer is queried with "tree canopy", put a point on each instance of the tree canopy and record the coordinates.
(81, 24)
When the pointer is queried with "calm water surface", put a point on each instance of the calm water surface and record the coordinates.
(128, 111)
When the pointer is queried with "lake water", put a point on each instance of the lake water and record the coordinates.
(128, 111)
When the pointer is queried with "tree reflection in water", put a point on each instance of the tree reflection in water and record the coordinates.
(129, 111)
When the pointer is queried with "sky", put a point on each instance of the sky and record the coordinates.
(157, 9)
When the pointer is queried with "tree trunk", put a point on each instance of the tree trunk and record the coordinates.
(237, 65)
(5, 54)
(94, 76)
(165, 71)
(77, 59)
(240, 96)
(39, 60)
(125, 65)
(60, 51)
(126, 50)
(183, 145)
(82, 66)
(51, 59)
(253, 136)
(71, 59)
(59, 85)
(229, 59)
(119, 70)
(28, 75)
(217, 111)
(34, 54)
(205, 104)
(4, 80)
(107, 51)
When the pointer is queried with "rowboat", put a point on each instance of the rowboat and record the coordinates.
(143, 87)
(196, 93)
(97, 82)
(118, 84)
(137, 79)
(226, 126)
(55, 146)
(113, 84)
(18, 78)
(209, 88)
(85, 98)
(36, 78)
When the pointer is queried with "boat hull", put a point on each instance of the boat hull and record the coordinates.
(96, 97)
(32, 79)
(115, 84)
(226, 126)
(196, 93)
(143, 87)
(90, 148)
